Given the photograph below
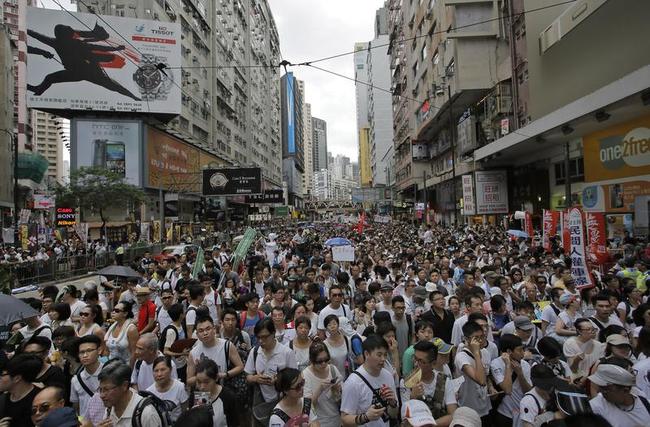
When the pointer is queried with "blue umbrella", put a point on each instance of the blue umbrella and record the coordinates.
(338, 241)
(518, 233)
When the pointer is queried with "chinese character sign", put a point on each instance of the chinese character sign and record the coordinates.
(577, 252)
(564, 229)
(596, 236)
(550, 221)
(528, 226)
(491, 192)
(468, 195)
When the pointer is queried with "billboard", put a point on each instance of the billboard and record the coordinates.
(491, 192)
(174, 165)
(65, 217)
(620, 151)
(291, 137)
(115, 145)
(269, 196)
(468, 195)
(81, 61)
(232, 181)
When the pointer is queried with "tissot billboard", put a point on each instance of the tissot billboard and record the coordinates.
(231, 182)
(81, 61)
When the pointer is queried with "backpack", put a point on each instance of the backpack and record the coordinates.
(237, 384)
(163, 408)
(243, 316)
(163, 337)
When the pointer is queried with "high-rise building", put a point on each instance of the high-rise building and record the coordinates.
(293, 163)
(231, 111)
(49, 143)
(319, 143)
(365, 171)
(6, 122)
(308, 150)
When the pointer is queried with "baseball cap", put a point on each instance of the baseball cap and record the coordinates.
(618, 339)
(421, 292)
(612, 374)
(386, 287)
(430, 287)
(523, 323)
(417, 413)
(465, 417)
(443, 347)
(490, 274)
(60, 417)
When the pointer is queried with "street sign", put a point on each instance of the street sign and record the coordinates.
(232, 181)
(269, 196)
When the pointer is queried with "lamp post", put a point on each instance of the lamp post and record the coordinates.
(14, 143)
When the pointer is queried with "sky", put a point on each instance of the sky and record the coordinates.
(312, 29)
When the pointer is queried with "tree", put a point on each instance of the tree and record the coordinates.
(97, 189)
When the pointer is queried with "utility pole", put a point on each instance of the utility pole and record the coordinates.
(161, 212)
(567, 176)
(453, 148)
(426, 197)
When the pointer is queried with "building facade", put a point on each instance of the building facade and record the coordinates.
(48, 141)
(229, 110)
(308, 149)
(319, 143)
(293, 163)
(6, 122)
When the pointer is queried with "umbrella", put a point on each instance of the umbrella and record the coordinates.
(338, 241)
(13, 309)
(517, 233)
(119, 271)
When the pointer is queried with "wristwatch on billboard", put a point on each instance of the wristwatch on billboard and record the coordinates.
(154, 84)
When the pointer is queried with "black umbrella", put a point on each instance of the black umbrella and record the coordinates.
(12, 309)
(119, 271)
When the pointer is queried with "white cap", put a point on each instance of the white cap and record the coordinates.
(417, 413)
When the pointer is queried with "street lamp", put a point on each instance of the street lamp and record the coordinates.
(14, 142)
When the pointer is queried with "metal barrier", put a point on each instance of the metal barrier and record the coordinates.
(37, 272)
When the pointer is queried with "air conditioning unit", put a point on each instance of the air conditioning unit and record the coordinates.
(219, 12)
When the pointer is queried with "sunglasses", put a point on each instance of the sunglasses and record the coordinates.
(321, 361)
(41, 409)
(84, 314)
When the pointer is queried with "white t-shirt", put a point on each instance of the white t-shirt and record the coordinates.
(637, 416)
(430, 389)
(142, 374)
(217, 353)
(357, 396)
(176, 394)
(642, 371)
(613, 320)
(343, 310)
(549, 316)
(532, 404)
(78, 393)
(279, 358)
(76, 308)
(326, 409)
(592, 349)
(338, 354)
(472, 394)
(457, 330)
(510, 404)
(163, 319)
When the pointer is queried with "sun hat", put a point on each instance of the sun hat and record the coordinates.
(612, 374)
(417, 413)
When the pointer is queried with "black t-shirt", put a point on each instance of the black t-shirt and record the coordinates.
(230, 408)
(20, 411)
(442, 328)
(54, 376)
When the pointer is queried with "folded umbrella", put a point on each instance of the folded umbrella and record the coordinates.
(338, 241)
(119, 271)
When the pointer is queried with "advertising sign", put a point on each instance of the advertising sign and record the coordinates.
(596, 238)
(420, 151)
(173, 164)
(620, 151)
(614, 198)
(291, 137)
(115, 145)
(41, 201)
(79, 61)
(577, 252)
(469, 208)
(269, 196)
(466, 133)
(550, 221)
(65, 217)
(491, 192)
(232, 182)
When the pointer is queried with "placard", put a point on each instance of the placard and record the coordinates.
(491, 192)
(343, 253)
(579, 268)
(469, 207)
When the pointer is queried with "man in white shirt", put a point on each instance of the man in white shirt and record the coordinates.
(86, 382)
(473, 304)
(551, 311)
(369, 397)
(120, 400)
(146, 351)
(512, 374)
(334, 307)
(473, 363)
(615, 402)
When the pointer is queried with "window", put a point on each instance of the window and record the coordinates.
(576, 168)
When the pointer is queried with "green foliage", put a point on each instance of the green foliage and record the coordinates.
(97, 189)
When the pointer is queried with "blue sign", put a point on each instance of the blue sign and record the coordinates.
(291, 137)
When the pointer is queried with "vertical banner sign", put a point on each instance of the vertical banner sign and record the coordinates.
(469, 208)
(24, 237)
(145, 228)
(550, 221)
(577, 253)
(528, 226)
(596, 236)
(564, 218)
(242, 248)
(156, 231)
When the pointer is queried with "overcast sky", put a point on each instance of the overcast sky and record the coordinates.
(311, 29)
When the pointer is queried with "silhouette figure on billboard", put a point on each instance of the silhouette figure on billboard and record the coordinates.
(80, 58)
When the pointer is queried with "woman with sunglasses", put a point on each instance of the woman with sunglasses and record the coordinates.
(292, 405)
(123, 334)
(323, 386)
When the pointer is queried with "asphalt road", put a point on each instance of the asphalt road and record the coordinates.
(78, 282)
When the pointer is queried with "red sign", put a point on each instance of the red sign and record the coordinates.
(528, 226)
(550, 220)
(596, 242)
(566, 239)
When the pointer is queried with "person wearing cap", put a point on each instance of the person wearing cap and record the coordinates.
(386, 303)
(146, 310)
(415, 413)
(440, 318)
(615, 400)
(532, 407)
(434, 387)
(526, 330)
(512, 375)
(465, 417)
(60, 417)
(420, 303)
(617, 346)
(583, 350)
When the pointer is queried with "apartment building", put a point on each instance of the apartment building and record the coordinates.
(319, 143)
(49, 143)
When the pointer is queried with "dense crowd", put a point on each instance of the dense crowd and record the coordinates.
(427, 326)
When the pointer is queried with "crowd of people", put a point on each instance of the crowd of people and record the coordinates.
(427, 326)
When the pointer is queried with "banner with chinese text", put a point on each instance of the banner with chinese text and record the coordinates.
(577, 253)
(550, 221)
(596, 237)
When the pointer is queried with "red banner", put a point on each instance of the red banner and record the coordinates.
(528, 227)
(566, 239)
(596, 239)
(550, 221)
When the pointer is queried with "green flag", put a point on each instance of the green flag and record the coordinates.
(243, 246)
(198, 263)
